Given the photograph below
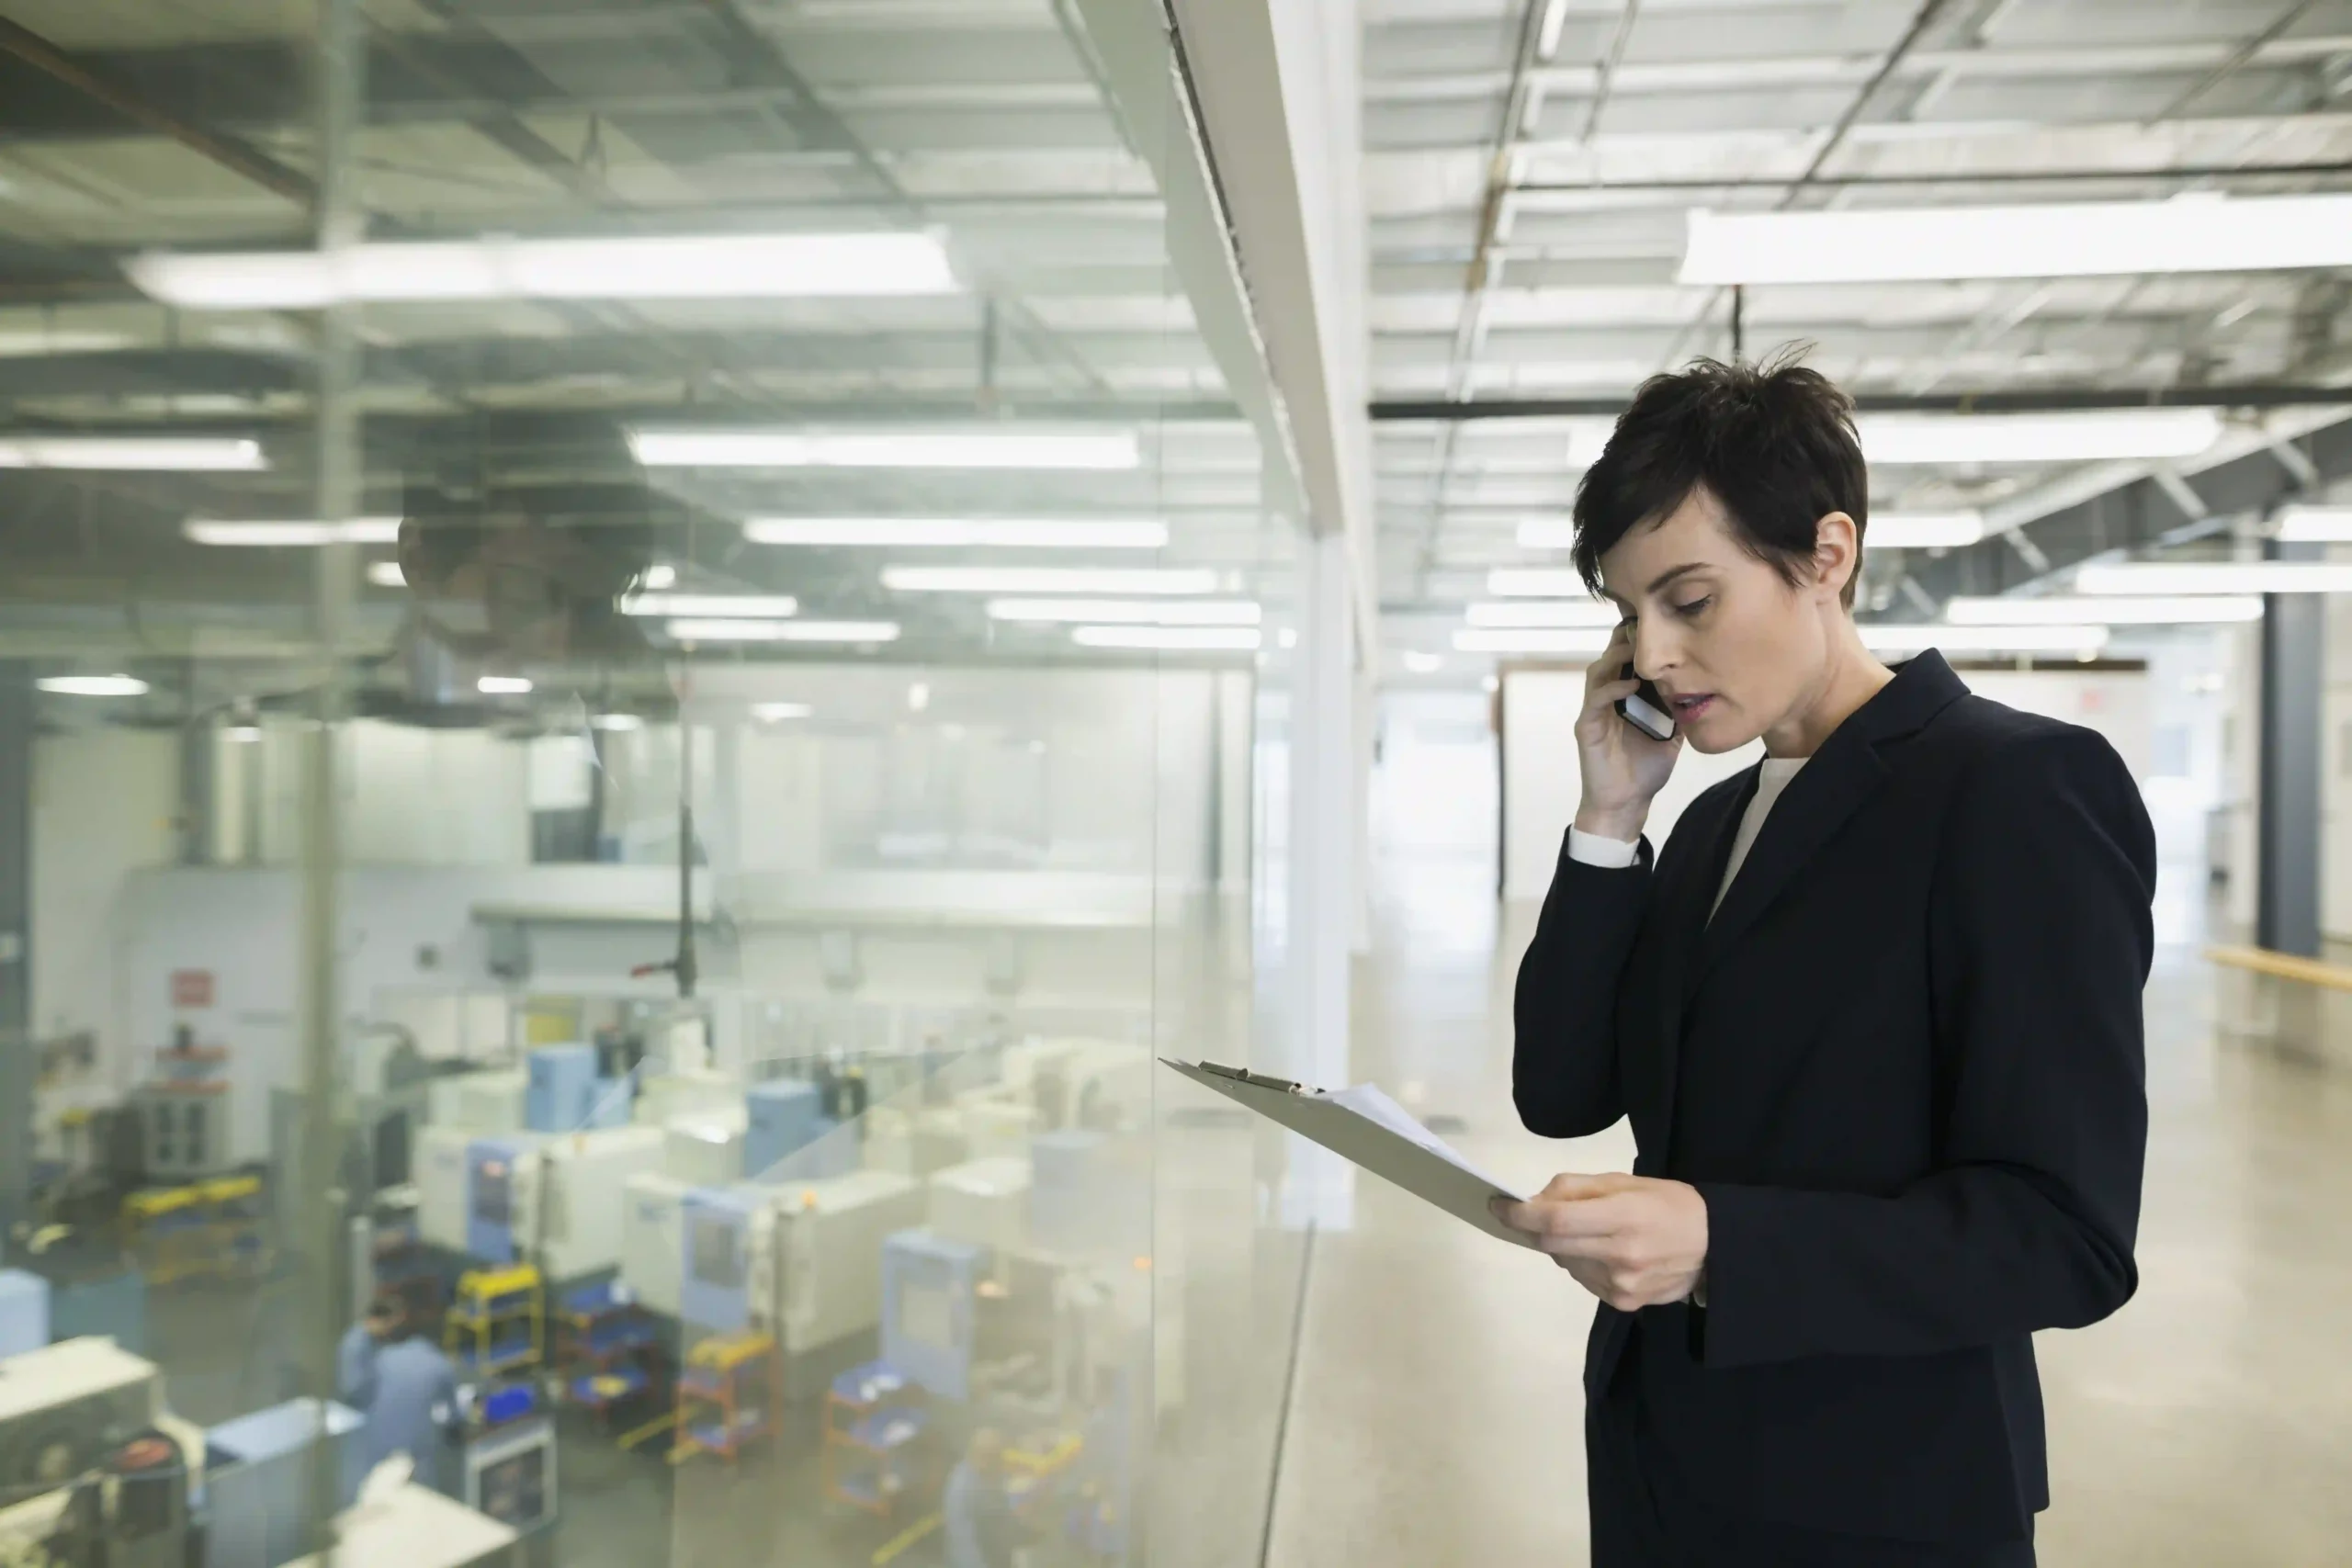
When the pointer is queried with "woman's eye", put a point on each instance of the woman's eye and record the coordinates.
(1695, 605)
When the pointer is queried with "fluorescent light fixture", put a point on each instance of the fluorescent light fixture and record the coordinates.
(1046, 581)
(713, 607)
(1128, 612)
(242, 734)
(292, 534)
(1421, 663)
(1566, 641)
(986, 447)
(2194, 232)
(2216, 576)
(1586, 613)
(676, 266)
(776, 713)
(2151, 611)
(2086, 436)
(94, 685)
(617, 723)
(1537, 583)
(503, 686)
(918, 696)
(1917, 639)
(386, 574)
(1172, 640)
(782, 631)
(190, 453)
(1547, 533)
(660, 576)
(961, 532)
(2315, 525)
(1924, 530)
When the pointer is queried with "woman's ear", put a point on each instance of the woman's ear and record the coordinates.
(1836, 551)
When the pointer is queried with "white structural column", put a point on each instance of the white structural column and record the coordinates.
(1326, 866)
(1279, 85)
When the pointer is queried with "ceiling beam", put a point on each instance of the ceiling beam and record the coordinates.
(2267, 395)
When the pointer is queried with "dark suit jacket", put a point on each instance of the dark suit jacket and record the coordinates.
(1903, 1064)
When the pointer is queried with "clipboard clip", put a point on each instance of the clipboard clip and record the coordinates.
(1243, 1074)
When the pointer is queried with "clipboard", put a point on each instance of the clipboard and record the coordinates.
(1368, 1129)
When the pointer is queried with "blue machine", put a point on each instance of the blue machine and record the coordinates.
(715, 1274)
(929, 1296)
(24, 1311)
(564, 1094)
(784, 1117)
(255, 1481)
(490, 1197)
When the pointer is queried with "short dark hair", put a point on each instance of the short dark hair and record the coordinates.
(1773, 441)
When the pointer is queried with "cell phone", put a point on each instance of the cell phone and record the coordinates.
(1646, 710)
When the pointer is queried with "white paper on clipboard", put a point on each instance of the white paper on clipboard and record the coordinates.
(1366, 1128)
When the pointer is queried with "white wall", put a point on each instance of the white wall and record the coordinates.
(103, 805)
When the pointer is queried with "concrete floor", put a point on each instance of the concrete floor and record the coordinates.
(1437, 1415)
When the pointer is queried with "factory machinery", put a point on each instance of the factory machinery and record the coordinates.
(94, 1473)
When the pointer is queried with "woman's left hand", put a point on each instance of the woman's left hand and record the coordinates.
(1631, 1240)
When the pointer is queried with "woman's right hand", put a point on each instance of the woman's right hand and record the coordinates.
(1623, 769)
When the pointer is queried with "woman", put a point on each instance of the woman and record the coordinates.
(1873, 1011)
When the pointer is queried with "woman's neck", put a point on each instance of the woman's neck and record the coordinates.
(1853, 678)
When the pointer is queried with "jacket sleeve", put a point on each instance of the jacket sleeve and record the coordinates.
(2040, 941)
(1564, 1056)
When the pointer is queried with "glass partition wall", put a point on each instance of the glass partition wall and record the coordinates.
(646, 650)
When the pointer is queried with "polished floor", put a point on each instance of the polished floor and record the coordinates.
(1436, 1418)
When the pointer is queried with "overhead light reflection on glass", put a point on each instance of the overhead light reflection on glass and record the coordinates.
(778, 713)
(2216, 576)
(713, 606)
(1195, 639)
(503, 686)
(972, 533)
(782, 631)
(993, 446)
(2155, 610)
(291, 534)
(672, 266)
(1128, 612)
(93, 685)
(2315, 525)
(1046, 581)
(195, 454)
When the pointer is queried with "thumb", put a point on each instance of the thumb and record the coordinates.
(1568, 1186)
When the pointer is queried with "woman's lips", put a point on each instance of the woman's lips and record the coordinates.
(1687, 708)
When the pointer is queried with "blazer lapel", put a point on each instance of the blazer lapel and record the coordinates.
(1828, 790)
(1682, 905)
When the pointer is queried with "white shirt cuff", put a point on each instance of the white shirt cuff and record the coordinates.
(1611, 854)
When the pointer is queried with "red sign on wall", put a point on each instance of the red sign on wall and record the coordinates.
(191, 988)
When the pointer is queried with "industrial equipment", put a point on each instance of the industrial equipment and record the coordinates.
(567, 1199)
(916, 1142)
(663, 1096)
(929, 1318)
(705, 1148)
(565, 1092)
(63, 1406)
(497, 1321)
(982, 1203)
(653, 1237)
(786, 1116)
(729, 1394)
(444, 1171)
(415, 1526)
(510, 1472)
(1089, 1196)
(257, 1480)
(184, 1127)
(24, 1311)
(480, 1102)
(493, 1227)
(999, 1128)
(796, 1261)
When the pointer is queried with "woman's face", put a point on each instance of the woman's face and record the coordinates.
(1734, 649)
